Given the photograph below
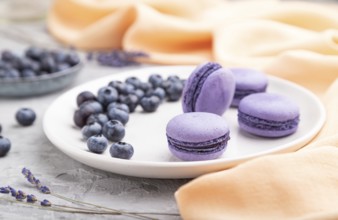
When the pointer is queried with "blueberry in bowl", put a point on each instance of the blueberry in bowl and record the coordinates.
(37, 72)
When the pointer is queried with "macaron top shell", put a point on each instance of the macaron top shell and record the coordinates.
(209, 88)
(196, 127)
(216, 93)
(194, 84)
(269, 106)
(249, 79)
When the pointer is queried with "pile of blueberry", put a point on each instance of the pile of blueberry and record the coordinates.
(102, 116)
(35, 62)
(25, 117)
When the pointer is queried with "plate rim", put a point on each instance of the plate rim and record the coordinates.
(302, 141)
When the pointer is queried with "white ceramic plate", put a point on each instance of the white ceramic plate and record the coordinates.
(146, 131)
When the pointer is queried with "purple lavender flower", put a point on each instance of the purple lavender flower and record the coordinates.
(13, 191)
(4, 190)
(45, 202)
(44, 189)
(20, 195)
(31, 198)
(26, 172)
(119, 58)
(31, 178)
(38, 183)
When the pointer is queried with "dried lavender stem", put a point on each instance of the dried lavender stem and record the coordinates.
(118, 212)
(84, 209)
(102, 207)
(59, 209)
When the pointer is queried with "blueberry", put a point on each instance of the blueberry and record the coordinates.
(27, 73)
(59, 56)
(107, 95)
(121, 87)
(78, 119)
(130, 100)
(84, 96)
(113, 130)
(155, 80)
(139, 93)
(48, 64)
(133, 81)
(116, 84)
(91, 130)
(127, 89)
(61, 67)
(34, 53)
(5, 146)
(174, 91)
(121, 150)
(97, 144)
(99, 118)
(7, 55)
(25, 116)
(145, 86)
(121, 106)
(88, 108)
(12, 74)
(173, 78)
(72, 59)
(119, 115)
(150, 104)
(20, 63)
(159, 92)
(35, 66)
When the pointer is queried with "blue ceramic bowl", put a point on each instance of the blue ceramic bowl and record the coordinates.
(39, 85)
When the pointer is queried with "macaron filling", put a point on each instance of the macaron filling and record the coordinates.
(264, 124)
(197, 84)
(206, 147)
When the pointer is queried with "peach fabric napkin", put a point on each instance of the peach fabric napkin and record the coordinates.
(297, 41)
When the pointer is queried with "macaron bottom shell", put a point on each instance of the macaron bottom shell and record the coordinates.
(268, 115)
(266, 131)
(198, 151)
(197, 136)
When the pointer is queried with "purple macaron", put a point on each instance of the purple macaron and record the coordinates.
(197, 136)
(268, 115)
(248, 81)
(209, 88)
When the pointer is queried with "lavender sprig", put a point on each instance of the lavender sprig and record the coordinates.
(36, 182)
(45, 203)
(4, 190)
(20, 195)
(31, 198)
(117, 58)
(44, 189)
